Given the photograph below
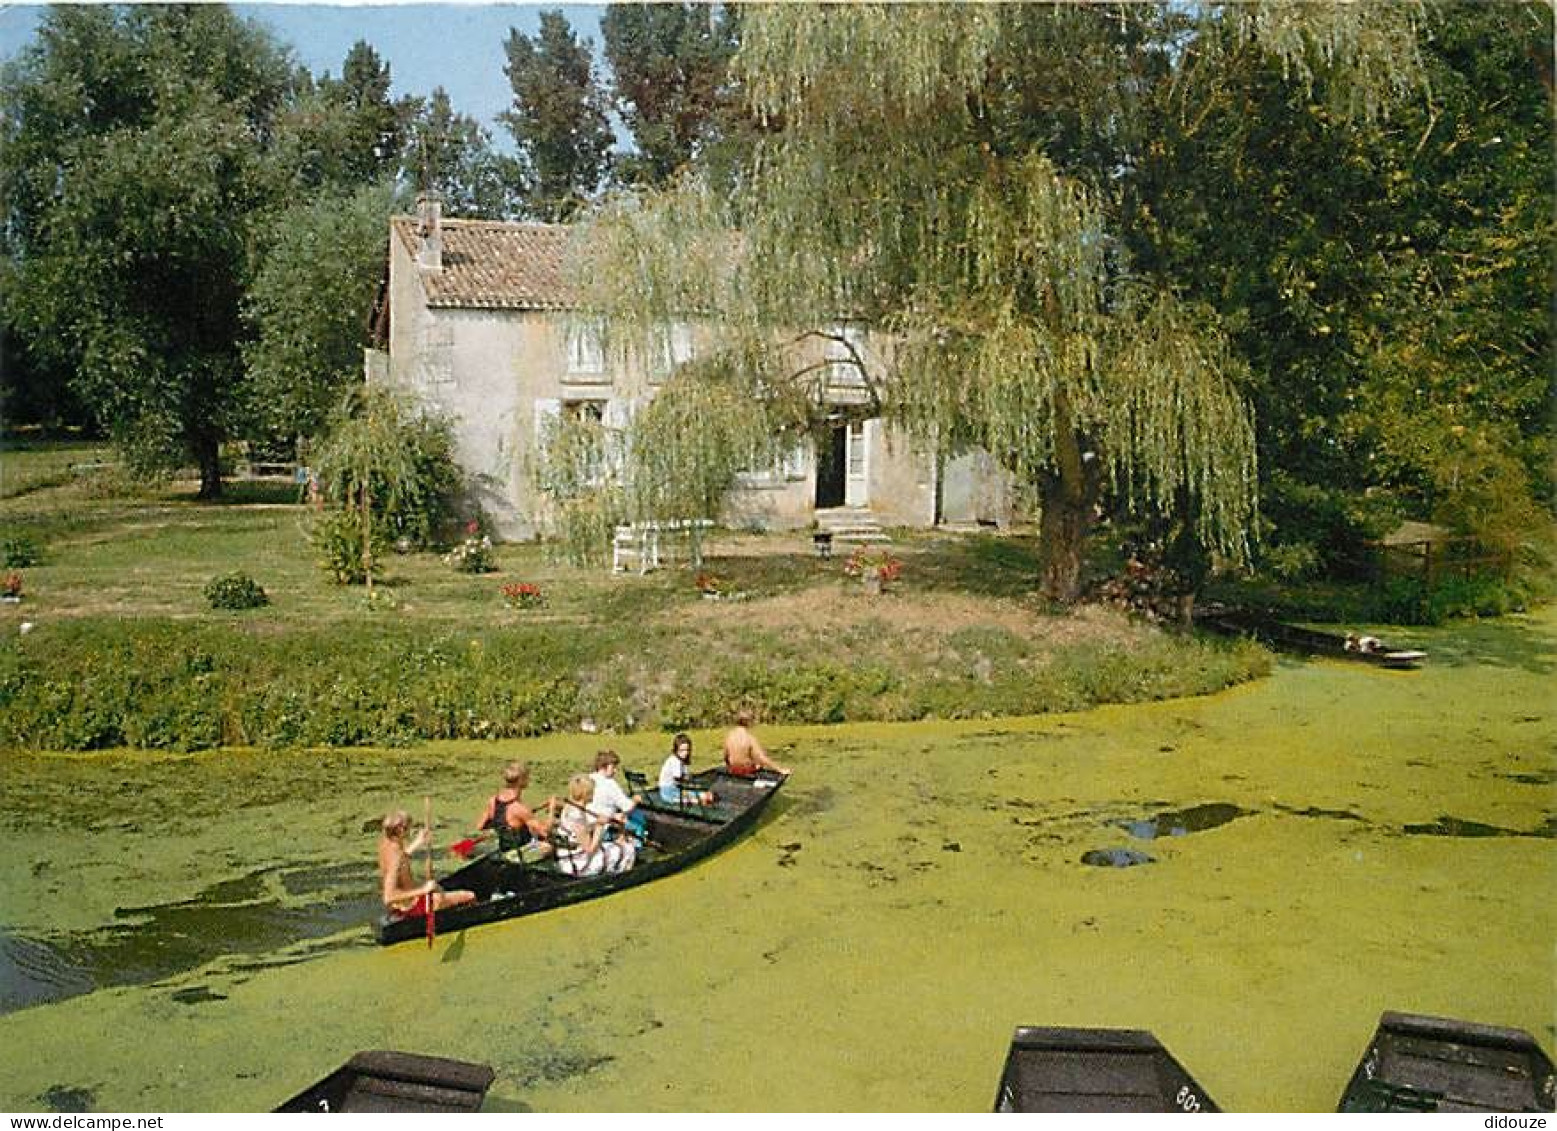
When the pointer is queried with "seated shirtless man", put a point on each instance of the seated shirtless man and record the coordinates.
(517, 826)
(743, 754)
(403, 896)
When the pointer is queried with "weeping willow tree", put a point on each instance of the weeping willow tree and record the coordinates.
(362, 466)
(891, 189)
(389, 471)
(679, 458)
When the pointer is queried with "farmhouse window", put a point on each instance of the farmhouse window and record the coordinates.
(586, 347)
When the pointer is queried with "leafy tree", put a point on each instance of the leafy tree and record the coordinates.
(32, 394)
(129, 159)
(1394, 309)
(669, 67)
(558, 118)
(306, 307)
(451, 154)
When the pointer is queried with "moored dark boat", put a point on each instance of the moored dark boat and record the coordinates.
(1095, 1070)
(1310, 641)
(1417, 1063)
(396, 1081)
(681, 835)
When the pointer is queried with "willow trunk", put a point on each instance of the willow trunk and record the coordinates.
(1068, 493)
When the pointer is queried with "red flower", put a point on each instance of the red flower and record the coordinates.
(522, 595)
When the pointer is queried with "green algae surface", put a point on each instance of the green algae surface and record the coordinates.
(189, 933)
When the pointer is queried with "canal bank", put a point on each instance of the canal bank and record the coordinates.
(1353, 840)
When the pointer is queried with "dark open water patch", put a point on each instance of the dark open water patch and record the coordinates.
(1182, 822)
(1115, 858)
(1327, 814)
(238, 916)
(1539, 777)
(1458, 827)
(65, 1099)
(809, 803)
(553, 1066)
(32, 972)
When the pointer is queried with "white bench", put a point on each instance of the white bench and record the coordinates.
(640, 543)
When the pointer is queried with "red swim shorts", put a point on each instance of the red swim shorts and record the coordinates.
(748, 771)
(417, 910)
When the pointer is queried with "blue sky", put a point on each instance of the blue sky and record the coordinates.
(456, 46)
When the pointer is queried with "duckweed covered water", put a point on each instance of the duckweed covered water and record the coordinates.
(189, 933)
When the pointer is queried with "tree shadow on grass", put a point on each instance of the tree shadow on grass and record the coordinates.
(981, 565)
(269, 491)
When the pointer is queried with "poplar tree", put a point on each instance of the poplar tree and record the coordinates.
(669, 77)
(558, 117)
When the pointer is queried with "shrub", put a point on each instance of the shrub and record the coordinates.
(1292, 562)
(337, 538)
(235, 590)
(474, 554)
(192, 685)
(1336, 525)
(18, 552)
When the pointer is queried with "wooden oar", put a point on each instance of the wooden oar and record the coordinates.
(431, 929)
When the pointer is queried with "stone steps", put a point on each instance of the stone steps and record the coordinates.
(851, 524)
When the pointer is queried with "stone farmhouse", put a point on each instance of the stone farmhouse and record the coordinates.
(477, 320)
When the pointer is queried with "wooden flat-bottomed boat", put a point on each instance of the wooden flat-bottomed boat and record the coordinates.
(1308, 641)
(1095, 1070)
(1417, 1063)
(677, 836)
(381, 1081)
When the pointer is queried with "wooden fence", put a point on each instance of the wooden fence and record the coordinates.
(1433, 562)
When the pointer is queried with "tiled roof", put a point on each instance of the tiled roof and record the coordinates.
(491, 265)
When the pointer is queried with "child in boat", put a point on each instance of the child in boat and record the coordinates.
(519, 829)
(611, 802)
(404, 898)
(674, 769)
(585, 850)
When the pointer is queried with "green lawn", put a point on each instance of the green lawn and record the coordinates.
(30, 465)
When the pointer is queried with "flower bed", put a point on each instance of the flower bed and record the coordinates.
(474, 554)
(522, 595)
(875, 568)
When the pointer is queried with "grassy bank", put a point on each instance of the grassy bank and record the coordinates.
(123, 650)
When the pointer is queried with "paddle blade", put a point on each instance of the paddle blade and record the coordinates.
(463, 848)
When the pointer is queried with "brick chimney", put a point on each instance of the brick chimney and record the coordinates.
(429, 208)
